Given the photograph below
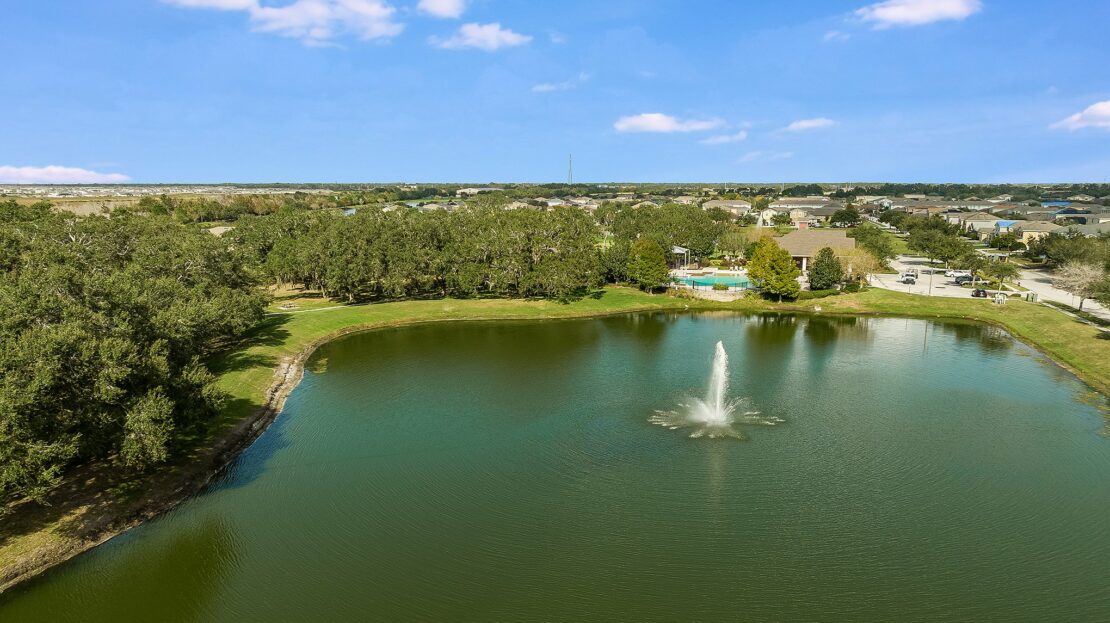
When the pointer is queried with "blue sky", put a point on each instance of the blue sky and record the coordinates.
(504, 90)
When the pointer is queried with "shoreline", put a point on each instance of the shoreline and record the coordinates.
(212, 459)
(224, 449)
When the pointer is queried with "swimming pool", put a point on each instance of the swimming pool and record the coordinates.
(711, 280)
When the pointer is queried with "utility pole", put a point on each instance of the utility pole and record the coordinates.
(570, 170)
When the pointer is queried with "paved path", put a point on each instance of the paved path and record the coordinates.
(1040, 281)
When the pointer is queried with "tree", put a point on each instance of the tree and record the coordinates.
(1005, 242)
(936, 244)
(1002, 271)
(826, 271)
(1079, 279)
(972, 261)
(876, 241)
(781, 219)
(647, 265)
(734, 243)
(847, 217)
(774, 270)
(859, 264)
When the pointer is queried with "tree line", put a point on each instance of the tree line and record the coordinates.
(105, 325)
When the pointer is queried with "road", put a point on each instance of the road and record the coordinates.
(1040, 281)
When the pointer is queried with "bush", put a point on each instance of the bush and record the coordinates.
(806, 295)
(720, 286)
(853, 287)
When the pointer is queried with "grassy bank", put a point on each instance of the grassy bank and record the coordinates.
(99, 501)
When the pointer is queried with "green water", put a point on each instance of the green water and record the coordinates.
(508, 472)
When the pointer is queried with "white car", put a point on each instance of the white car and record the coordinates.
(957, 273)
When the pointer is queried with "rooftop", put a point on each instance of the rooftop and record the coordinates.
(807, 242)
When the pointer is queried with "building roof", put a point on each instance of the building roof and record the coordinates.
(1093, 229)
(1039, 226)
(727, 204)
(980, 216)
(792, 202)
(807, 242)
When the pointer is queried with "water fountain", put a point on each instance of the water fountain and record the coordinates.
(715, 415)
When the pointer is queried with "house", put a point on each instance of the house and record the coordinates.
(1001, 199)
(736, 207)
(981, 223)
(470, 192)
(787, 203)
(870, 199)
(803, 244)
(1086, 219)
(1081, 198)
(686, 199)
(1034, 230)
(1006, 226)
(1091, 230)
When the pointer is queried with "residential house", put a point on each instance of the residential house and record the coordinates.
(1091, 230)
(982, 223)
(1006, 226)
(1034, 230)
(787, 203)
(470, 192)
(736, 207)
(1081, 198)
(1085, 219)
(803, 244)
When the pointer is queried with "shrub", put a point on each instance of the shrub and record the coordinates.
(853, 287)
(806, 295)
(720, 286)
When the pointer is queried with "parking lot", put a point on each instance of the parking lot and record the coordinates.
(930, 281)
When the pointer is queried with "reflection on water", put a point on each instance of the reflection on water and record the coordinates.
(173, 576)
(506, 472)
(989, 338)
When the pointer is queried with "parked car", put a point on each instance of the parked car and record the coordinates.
(957, 273)
(962, 279)
(979, 293)
(907, 279)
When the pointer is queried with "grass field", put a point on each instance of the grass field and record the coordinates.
(95, 497)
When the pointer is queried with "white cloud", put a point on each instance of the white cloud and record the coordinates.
(566, 85)
(488, 37)
(557, 38)
(315, 22)
(752, 156)
(917, 12)
(836, 36)
(1096, 115)
(55, 174)
(802, 125)
(442, 8)
(222, 5)
(658, 122)
(724, 139)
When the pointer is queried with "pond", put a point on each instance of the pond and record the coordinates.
(511, 471)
